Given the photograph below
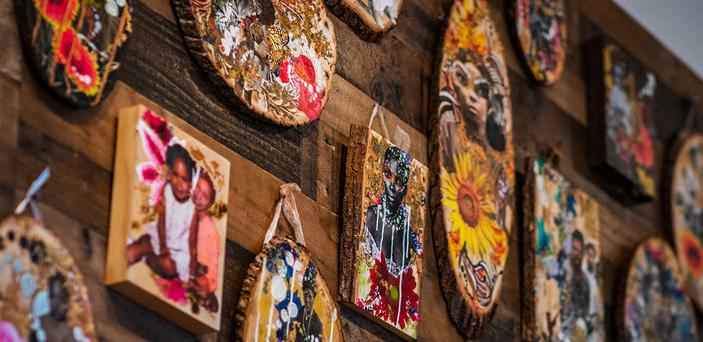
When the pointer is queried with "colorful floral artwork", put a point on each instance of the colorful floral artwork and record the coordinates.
(540, 28)
(42, 294)
(388, 232)
(275, 58)
(687, 211)
(284, 298)
(565, 278)
(370, 18)
(656, 307)
(625, 121)
(474, 162)
(170, 216)
(74, 45)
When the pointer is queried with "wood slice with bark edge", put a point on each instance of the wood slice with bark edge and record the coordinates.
(468, 323)
(522, 54)
(30, 28)
(353, 225)
(618, 184)
(251, 280)
(49, 250)
(361, 21)
(197, 49)
(527, 309)
(681, 141)
(622, 285)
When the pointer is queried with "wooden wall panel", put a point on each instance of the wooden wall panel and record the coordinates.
(37, 131)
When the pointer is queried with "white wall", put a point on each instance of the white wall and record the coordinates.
(678, 24)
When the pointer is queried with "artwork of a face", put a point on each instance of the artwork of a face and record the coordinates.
(629, 125)
(73, 45)
(656, 307)
(475, 161)
(275, 58)
(389, 244)
(687, 212)
(566, 280)
(42, 294)
(540, 26)
(286, 299)
(174, 242)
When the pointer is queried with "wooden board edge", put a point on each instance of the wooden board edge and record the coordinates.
(527, 308)
(351, 213)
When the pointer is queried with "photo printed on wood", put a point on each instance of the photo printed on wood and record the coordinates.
(169, 219)
(563, 281)
(369, 18)
(472, 166)
(274, 58)
(383, 238)
(42, 293)
(284, 298)
(539, 28)
(654, 305)
(621, 120)
(73, 46)
(686, 210)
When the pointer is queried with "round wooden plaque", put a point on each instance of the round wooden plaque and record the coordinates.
(74, 46)
(272, 58)
(539, 29)
(42, 295)
(284, 298)
(472, 166)
(654, 305)
(370, 19)
(686, 211)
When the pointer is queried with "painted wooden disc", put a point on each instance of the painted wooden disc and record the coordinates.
(41, 289)
(539, 27)
(472, 166)
(74, 46)
(562, 264)
(272, 58)
(655, 306)
(284, 298)
(369, 18)
(686, 201)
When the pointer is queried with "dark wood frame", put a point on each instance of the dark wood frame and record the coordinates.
(356, 21)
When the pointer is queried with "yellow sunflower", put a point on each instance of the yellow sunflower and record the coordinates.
(469, 203)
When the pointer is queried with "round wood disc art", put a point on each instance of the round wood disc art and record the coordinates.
(369, 18)
(539, 27)
(284, 298)
(74, 45)
(686, 201)
(655, 306)
(42, 295)
(273, 58)
(472, 166)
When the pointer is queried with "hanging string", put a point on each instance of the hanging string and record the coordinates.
(34, 188)
(401, 138)
(286, 204)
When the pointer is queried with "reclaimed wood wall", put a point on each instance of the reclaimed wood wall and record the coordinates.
(36, 131)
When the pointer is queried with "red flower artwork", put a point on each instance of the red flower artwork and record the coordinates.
(392, 298)
(172, 289)
(155, 136)
(59, 13)
(81, 66)
(692, 253)
(300, 72)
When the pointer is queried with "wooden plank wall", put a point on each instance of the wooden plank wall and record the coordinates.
(37, 131)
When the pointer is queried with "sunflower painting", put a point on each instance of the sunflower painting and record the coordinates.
(383, 237)
(275, 59)
(563, 272)
(473, 166)
(686, 203)
(74, 45)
